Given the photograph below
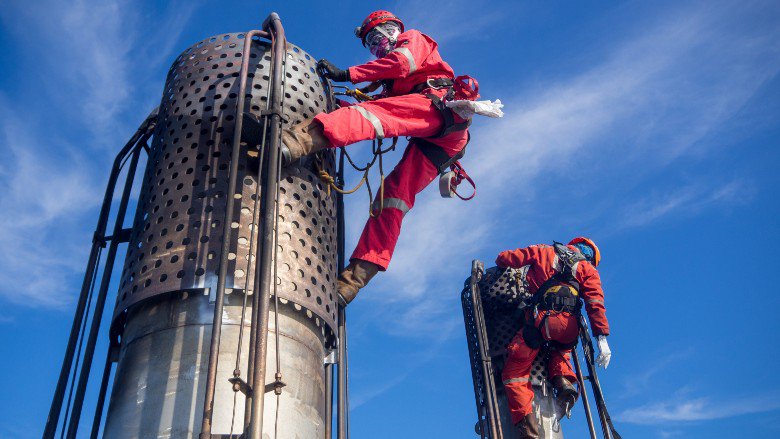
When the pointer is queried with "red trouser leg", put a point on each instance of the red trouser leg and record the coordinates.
(516, 378)
(560, 365)
(408, 115)
(410, 176)
(563, 328)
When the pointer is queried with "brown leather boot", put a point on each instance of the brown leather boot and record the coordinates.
(303, 139)
(565, 391)
(354, 277)
(528, 427)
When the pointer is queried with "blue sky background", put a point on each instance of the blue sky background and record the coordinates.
(650, 126)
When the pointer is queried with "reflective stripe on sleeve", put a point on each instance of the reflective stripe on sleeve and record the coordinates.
(595, 301)
(408, 54)
(395, 203)
(372, 119)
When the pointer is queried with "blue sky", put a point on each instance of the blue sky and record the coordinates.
(650, 126)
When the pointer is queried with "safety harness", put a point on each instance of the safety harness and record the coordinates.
(451, 172)
(559, 293)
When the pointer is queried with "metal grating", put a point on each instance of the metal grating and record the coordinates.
(176, 240)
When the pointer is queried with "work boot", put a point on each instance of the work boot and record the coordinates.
(303, 139)
(528, 427)
(354, 277)
(565, 391)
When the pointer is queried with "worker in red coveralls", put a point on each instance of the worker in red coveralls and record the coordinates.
(413, 74)
(559, 277)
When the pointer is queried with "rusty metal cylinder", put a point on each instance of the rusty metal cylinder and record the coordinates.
(165, 305)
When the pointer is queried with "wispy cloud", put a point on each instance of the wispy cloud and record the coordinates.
(698, 409)
(58, 156)
(684, 200)
(447, 22)
(640, 381)
(44, 199)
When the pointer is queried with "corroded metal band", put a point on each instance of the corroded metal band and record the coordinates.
(176, 239)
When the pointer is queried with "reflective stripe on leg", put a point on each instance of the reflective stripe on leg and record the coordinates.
(395, 203)
(372, 119)
(515, 380)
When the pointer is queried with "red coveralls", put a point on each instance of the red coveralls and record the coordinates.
(559, 326)
(403, 113)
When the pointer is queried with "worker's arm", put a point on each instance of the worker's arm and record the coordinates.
(410, 51)
(593, 295)
(518, 258)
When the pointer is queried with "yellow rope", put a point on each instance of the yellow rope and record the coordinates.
(330, 182)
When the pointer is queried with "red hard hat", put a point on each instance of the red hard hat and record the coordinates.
(591, 244)
(373, 20)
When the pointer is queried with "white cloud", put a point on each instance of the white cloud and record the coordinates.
(698, 409)
(446, 23)
(684, 200)
(46, 195)
(52, 180)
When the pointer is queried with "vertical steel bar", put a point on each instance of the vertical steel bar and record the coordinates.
(216, 329)
(86, 286)
(597, 395)
(472, 354)
(263, 273)
(585, 402)
(102, 394)
(342, 431)
(329, 402)
(487, 364)
(101, 298)
(342, 427)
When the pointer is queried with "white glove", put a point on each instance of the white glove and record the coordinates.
(604, 353)
(466, 109)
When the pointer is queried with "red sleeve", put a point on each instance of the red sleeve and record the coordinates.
(409, 53)
(520, 257)
(593, 295)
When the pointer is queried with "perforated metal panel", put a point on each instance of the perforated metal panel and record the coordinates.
(176, 239)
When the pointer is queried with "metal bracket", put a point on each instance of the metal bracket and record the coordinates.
(240, 385)
(124, 235)
(100, 239)
(331, 358)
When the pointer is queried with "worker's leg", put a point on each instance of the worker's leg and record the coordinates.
(409, 115)
(559, 365)
(411, 175)
(381, 232)
(562, 377)
(563, 328)
(516, 378)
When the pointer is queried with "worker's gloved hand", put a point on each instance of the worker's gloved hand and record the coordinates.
(604, 353)
(329, 70)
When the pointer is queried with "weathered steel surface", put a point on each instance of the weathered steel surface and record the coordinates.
(176, 240)
(159, 386)
(165, 299)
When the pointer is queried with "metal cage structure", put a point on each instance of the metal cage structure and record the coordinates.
(492, 313)
(228, 286)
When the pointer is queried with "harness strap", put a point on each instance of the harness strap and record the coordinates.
(436, 83)
(437, 155)
(449, 118)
